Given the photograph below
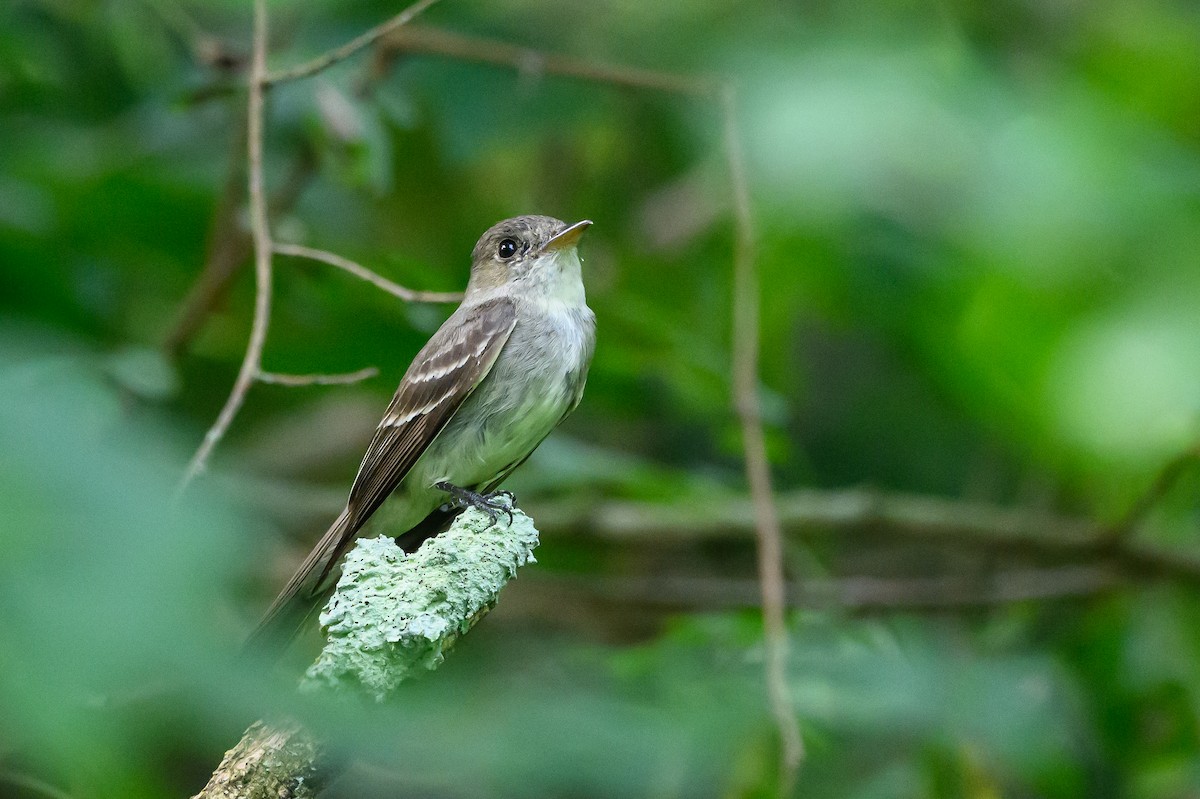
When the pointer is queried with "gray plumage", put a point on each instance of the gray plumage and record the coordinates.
(507, 366)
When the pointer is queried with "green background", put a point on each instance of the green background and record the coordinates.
(977, 228)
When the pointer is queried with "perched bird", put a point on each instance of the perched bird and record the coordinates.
(507, 366)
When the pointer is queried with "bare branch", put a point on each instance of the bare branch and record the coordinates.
(252, 360)
(933, 520)
(758, 472)
(430, 41)
(277, 379)
(815, 512)
(361, 272)
(932, 593)
(328, 59)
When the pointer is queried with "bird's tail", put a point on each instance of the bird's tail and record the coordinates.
(302, 594)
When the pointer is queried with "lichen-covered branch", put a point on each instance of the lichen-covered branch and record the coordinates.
(392, 616)
(395, 615)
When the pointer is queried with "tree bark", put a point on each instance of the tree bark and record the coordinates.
(272, 761)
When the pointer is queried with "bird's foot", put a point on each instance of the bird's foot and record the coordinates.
(488, 503)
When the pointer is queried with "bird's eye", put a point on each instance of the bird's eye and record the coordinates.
(507, 249)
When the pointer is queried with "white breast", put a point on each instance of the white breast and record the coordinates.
(536, 381)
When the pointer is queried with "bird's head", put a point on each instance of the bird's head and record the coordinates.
(533, 256)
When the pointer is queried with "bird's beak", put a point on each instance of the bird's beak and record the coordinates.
(568, 237)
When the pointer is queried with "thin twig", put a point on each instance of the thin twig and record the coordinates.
(1164, 481)
(277, 379)
(328, 59)
(758, 473)
(361, 272)
(261, 233)
(431, 41)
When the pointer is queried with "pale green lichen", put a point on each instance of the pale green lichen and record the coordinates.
(394, 615)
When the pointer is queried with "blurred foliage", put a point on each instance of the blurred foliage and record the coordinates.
(979, 256)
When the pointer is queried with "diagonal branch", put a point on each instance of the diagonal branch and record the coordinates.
(456, 46)
(363, 273)
(264, 247)
(326, 60)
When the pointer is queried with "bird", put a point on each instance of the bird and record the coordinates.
(496, 378)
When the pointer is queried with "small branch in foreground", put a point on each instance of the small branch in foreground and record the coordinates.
(277, 379)
(392, 616)
(261, 234)
(271, 761)
(361, 272)
(328, 59)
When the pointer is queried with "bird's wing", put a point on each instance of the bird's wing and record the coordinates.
(441, 377)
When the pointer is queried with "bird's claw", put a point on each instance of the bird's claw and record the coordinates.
(488, 503)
